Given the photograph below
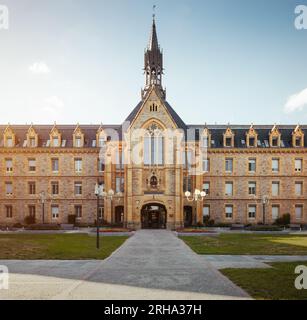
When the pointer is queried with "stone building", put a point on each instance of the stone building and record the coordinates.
(249, 173)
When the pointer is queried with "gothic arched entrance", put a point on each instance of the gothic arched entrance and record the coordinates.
(153, 216)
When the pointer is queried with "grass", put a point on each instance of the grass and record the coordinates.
(276, 283)
(57, 246)
(244, 244)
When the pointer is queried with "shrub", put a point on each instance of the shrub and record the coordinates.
(264, 228)
(17, 225)
(72, 219)
(29, 220)
(43, 227)
(208, 222)
(284, 220)
(222, 225)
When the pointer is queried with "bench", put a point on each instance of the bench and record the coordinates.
(295, 227)
(237, 226)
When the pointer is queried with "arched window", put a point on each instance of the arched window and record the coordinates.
(153, 146)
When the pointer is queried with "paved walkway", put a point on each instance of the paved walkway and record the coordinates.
(150, 265)
(247, 261)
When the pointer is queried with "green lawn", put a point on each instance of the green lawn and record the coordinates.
(276, 283)
(57, 246)
(254, 244)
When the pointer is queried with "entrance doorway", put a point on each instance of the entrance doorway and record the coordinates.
(153, 216)
(119, 215)
(188, 216)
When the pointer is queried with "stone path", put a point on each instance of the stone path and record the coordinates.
(247, 261)
(153, 264)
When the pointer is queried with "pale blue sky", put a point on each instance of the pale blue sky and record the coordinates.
(81, 60)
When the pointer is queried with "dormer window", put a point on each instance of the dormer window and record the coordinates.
(228, 138)
(101, 141)
(298, 141)
(9, 142)
(228, 142)
(298, 137)
(78, 137)
(206, 138)
(78, 142)
(275, 137)
(251, 142)
(55, 142)
(251, 137)
(274, 141)
(32, 142)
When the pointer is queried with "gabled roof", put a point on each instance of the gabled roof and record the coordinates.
(176, 118)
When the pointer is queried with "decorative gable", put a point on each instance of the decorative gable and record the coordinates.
(55, 137)
(251, 137)
(9, 137)
(275, 137)
(101, 137)
(32, 137)
(78, 137)
(229, 138)
(206, 138)
(298, 137)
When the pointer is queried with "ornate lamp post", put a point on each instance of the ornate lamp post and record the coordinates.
(265, 201)
(196, 196)
(98, 193)
(43, 200)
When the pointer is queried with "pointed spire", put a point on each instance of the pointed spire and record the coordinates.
(153, 40)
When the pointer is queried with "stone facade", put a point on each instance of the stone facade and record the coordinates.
(51, 171)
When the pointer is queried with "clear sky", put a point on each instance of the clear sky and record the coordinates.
(235, 61)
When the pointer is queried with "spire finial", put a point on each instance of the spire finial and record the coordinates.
(154, 12)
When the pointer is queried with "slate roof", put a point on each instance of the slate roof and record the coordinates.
(114, 132)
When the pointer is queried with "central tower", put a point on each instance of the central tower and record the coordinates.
(153, 63)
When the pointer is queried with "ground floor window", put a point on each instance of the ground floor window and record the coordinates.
(32, 211)
(9, 211)
(101, 213)
(275, 212)
(55, 212)
(229, 211)
(252, 212)
(298, 212)
(206, 213)
(78, 211)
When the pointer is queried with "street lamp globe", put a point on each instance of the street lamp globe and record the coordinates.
(187, 194)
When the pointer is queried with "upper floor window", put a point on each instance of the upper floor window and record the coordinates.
(153, 146)
(252, 188)
(229, 165)
(54, 188)
(9, 165)
(32, 165)
(78, 165)
(275, 165)
(119, 184)
(32, 188)
(275, 188)
(206, 165)
(206, 187)
(228, 142)
(78, 188)
(298, 188)
(229, 188)
(55, 165)
(298, 165)
(153, 108)
(252, 165)
(275, 141)
(8, 188)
